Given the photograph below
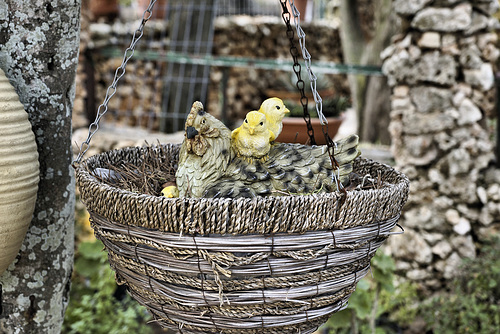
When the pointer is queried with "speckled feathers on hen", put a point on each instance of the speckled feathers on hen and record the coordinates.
(208, 167)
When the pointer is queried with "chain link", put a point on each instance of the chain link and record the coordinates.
(307, 61)
(297, 69)
(331, 145)
(120, 71)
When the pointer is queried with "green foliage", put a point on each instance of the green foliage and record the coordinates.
(126, 2)
(92, 307)
(377, 305)
(473, 303)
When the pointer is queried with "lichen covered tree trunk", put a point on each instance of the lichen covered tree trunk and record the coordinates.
(362, 46)
(38, 52)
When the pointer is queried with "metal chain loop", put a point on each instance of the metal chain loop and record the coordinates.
(297, 69)
(307, 61)
(331, 145)
(120, 71)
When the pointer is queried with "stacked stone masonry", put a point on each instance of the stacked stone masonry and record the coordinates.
(441, 70)
(242, 36)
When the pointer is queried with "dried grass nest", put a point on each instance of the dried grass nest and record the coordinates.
(279, 264)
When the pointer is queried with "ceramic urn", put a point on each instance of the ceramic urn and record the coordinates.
(19, 173)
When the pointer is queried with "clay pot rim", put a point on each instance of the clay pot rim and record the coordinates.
(300, 119)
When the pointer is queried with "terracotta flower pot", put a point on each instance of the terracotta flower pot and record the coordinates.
(159, 8)
(295, 130)
(19, 173)
(104, 8)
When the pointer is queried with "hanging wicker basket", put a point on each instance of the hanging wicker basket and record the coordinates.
(268, 265)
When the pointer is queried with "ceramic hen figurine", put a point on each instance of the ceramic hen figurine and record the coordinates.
(290, 169)
(253, 138)
(205, 152)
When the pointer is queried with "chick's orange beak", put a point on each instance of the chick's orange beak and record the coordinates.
(287, 111)
(251, 130)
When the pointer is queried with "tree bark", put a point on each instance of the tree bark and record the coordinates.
(369, 95)
(376, 111)
(38, 51)
(376, 104)
(351, 34)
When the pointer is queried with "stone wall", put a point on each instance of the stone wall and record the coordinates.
(265, 37)
(246, 36)
(441, 70)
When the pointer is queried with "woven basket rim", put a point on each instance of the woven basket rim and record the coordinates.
(397, 186)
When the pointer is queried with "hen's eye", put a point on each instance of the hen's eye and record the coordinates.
(261, 123)
(278, 107)
(203, 122)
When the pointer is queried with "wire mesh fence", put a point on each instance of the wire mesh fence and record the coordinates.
(159, 87)
(248, 7)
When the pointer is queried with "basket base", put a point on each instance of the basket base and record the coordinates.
(302, 328)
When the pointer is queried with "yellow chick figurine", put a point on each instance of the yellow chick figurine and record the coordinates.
(275, 111)
(253, 139)
(170, 192)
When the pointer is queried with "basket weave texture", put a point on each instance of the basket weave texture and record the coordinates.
(267, 265)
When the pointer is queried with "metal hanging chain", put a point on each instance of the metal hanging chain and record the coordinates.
(285, 14)
(331, 145)
(307, 61)
(120, 71)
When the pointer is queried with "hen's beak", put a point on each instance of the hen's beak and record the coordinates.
(191, 132)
